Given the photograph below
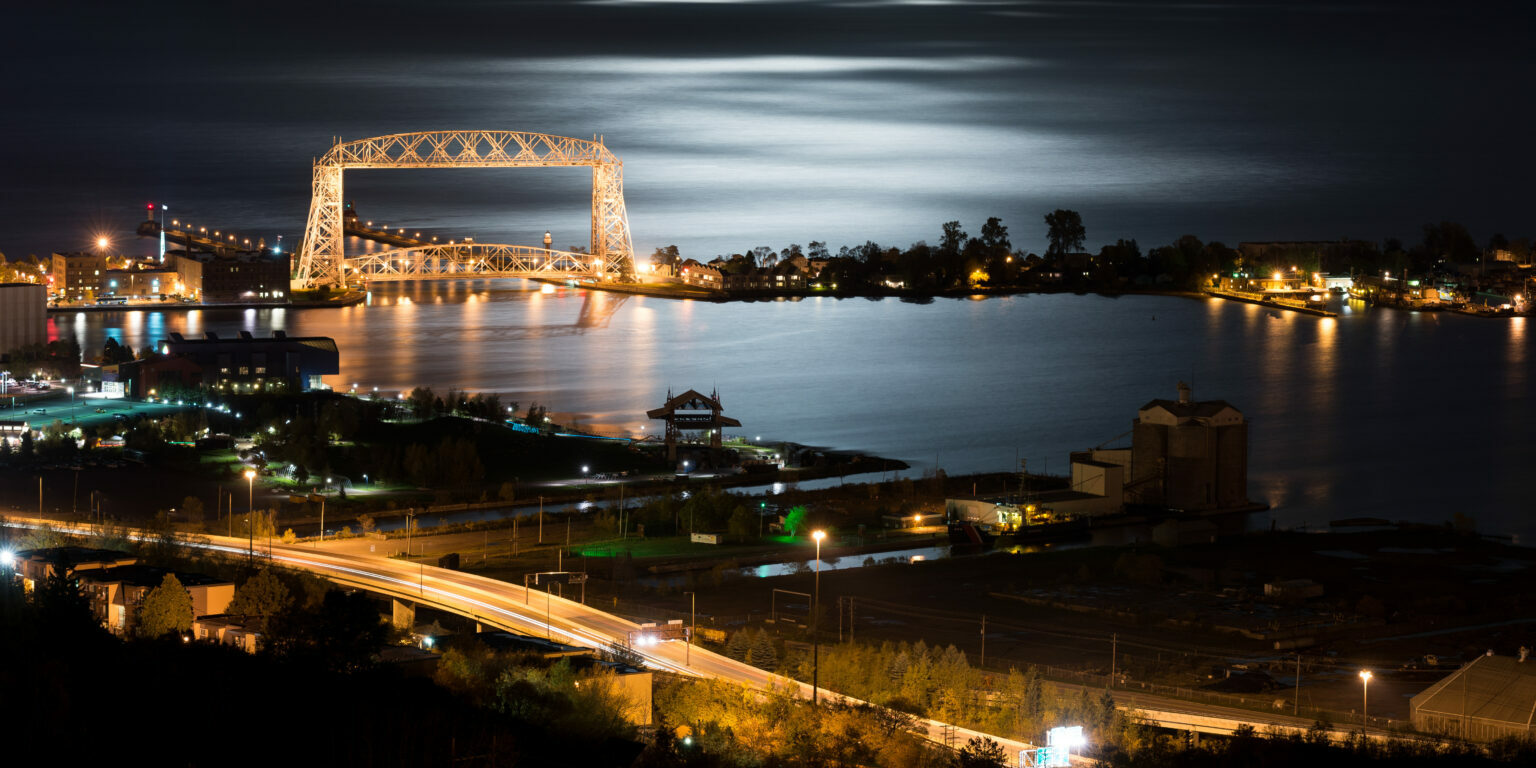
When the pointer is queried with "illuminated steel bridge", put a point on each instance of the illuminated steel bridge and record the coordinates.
(472, 260)
(322, 260)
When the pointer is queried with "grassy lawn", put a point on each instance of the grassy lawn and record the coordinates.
(681, 546)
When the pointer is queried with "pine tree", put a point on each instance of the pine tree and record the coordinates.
(740, 643)
(762, 653)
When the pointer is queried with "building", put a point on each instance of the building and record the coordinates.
(239, 277)
(142, 283)
(23, 315)
(245, 364)
(702, 275)
(78, 277)
(1490, 697)
(782, 277)
(35, 565)
(1189, 455)
(1184, 455)
(117, 593)
(225, 629)
(692, 411)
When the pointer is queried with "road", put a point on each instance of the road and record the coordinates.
(530, 612)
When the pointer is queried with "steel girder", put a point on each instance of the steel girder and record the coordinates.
(321, 256)
(471, 260)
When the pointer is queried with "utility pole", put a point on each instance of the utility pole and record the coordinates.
(983, 641)
(1296, 708)
(1114, 650)
(541, 519)
(514, 537)
(409, 517)
(567, 530)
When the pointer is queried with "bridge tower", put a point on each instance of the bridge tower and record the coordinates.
(322, 257)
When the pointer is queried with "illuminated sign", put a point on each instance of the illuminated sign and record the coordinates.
(1057, 753)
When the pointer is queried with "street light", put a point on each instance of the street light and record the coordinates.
(250, 514)
(71, 405)
(409, 518)
(1365, 690)
(816, 620)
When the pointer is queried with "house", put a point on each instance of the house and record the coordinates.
(117, 593)
(35, 565)
(224, 629)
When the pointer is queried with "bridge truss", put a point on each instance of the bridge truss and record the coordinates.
(322, 259)
(471, 260)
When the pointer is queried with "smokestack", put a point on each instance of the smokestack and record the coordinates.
(1183, 393)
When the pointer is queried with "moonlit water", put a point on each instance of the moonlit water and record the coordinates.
(1376, 413)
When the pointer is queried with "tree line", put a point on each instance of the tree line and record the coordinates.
(988, 261)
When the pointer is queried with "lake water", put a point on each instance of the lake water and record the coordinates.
(1374, 413)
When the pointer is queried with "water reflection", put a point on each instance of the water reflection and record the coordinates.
(965, 381)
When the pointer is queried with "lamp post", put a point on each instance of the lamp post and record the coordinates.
(409, 517)
(250, 514)
(1365, 692)
(693, 623)
(816, 621)
(71, 405)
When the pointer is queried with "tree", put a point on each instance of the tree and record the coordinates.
(508, 492)
(667, 257)
(113, 353)
(795, 520)
(192, 508)
(167, 608)
(981, 752)
(953, 239)
(341, 634)
(762, 654)
(994, 237)
(1065, 231)
(421, 400)
(739, 644)
(742, 525)
(260, 598)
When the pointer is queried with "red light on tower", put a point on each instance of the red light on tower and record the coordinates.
(151, 208)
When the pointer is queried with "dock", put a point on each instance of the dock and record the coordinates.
(1265, 300)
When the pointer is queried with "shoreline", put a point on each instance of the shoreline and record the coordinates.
(348, 299)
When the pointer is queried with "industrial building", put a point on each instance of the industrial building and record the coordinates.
(1189, 455)
(1490, 697)
(1184, 455)
(239, 277)
(243, 364)
(23, 315)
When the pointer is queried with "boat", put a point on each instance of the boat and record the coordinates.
(964, 533)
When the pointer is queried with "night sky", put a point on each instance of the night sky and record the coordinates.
(766, 123)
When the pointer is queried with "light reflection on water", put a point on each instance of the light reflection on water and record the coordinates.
(1369, 414)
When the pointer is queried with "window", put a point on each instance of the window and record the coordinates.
(245, 371)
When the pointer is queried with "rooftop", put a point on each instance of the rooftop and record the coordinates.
(1491, 688)
(147, 576)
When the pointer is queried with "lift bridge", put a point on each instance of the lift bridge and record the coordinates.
(323, 261)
